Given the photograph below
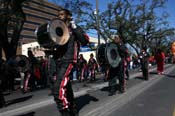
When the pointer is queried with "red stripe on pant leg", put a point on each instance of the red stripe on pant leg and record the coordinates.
(26, 82)
(82, 74)
(62, 95)
(125, 66)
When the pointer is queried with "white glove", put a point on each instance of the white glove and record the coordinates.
(73, 25)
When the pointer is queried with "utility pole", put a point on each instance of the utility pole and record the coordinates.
(97, 21)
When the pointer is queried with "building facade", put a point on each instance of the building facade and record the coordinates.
(40, 12)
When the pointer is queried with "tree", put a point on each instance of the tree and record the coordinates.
(136, 22)
(11, 18)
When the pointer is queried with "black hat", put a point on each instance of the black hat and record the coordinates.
(66, 10)
(144, 48)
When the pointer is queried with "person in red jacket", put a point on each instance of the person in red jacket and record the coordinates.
(160, 58)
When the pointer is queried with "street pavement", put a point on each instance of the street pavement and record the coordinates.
(18, 103)
(157, 100)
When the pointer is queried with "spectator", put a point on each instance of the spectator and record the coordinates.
(160, 60)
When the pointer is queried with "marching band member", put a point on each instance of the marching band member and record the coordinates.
(144, 60)
(2, 79)
(65, 57)
(82, 65)
(92, 64)
(119, 71)
(29, 77)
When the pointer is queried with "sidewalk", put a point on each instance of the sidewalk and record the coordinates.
(18, 102)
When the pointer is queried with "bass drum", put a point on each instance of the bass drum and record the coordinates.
(53, 33)
(108, 54)
(22, 63)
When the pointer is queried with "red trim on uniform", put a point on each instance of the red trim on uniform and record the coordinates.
(62, 91)
(26, 81)
(75, 53)
(86, 37)
(125, 66)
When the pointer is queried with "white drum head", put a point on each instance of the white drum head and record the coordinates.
(112, 55)
(59, 32)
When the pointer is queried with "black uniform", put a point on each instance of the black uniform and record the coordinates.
(30, 78)
(82, 66)
(92, 64)
(127, 67)
(65, 56)
(118, 72)
(144, 60)
(51, 72)
(2, 78)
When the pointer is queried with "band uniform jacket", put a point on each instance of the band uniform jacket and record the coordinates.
(69, 51)
(65, 57)
(92, 64)
(144, 60)
(123, 52)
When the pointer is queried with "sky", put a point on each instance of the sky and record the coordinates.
(169, 7)
(171, 10)
(102, 4)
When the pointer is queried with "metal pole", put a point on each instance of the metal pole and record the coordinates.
(97, 21)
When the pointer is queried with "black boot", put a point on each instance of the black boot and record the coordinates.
(146, 78)
(74, 110)
(74, 113)
(65, 113)
(112, 91)
(2, 100)
(122, 89)
(2, 103)
(127, 78)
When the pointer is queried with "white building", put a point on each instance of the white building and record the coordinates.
(39, 52)
(35, 47)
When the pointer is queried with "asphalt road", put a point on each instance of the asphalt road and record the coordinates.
(155, 97)
(159, 100)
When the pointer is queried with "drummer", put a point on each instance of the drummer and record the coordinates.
(119, 71)
(65, 57)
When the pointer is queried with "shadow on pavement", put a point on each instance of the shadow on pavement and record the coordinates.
(28, 114)
(6, 93)
(84, 100)
(14, 101)
(117, 87)
(153, 72)
(141, 78)
(170, 76)
(105, 89)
